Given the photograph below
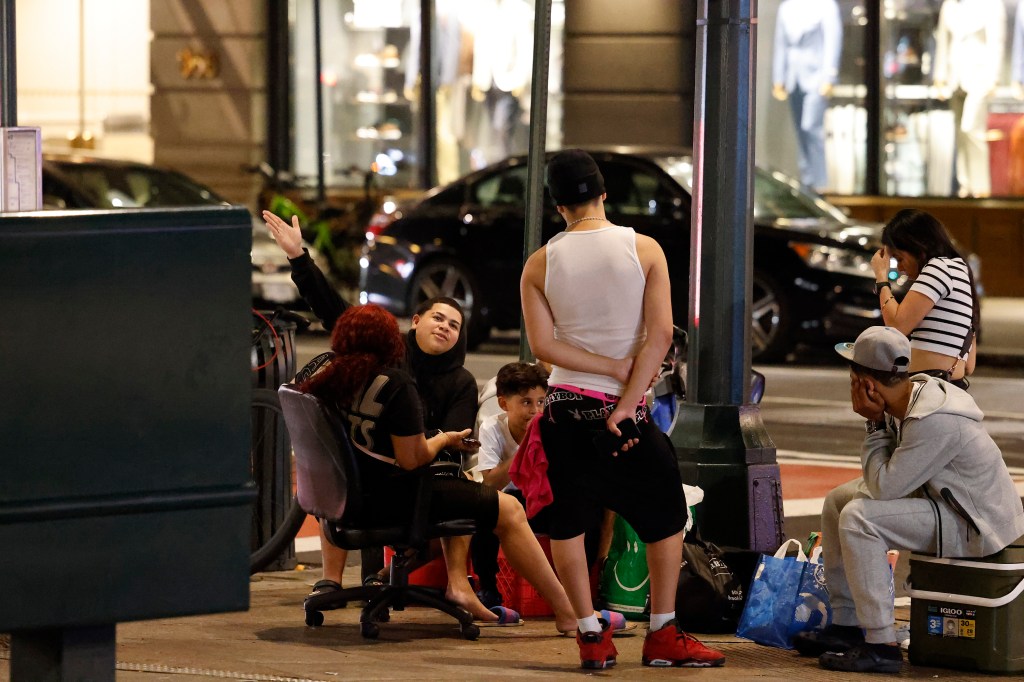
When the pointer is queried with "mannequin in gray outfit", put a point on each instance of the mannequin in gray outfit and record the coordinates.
(805, 66)
(933, 481)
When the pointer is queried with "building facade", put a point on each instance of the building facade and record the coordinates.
(877, 104)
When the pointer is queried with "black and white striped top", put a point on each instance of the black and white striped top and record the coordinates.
(943, 330)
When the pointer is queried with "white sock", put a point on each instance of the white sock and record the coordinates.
(658, 620)
(589, 624)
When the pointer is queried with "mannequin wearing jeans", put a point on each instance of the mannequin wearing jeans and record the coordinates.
(805, 64)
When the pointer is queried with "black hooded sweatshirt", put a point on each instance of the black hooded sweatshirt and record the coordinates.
(446, 388)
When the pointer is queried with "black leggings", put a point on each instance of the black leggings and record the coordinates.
(451, 499)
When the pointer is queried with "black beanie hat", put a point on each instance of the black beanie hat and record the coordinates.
(573, 178)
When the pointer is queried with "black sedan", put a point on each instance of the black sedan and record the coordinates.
(81, 182)
(812, 275)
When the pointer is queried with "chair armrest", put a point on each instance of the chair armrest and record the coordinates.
(440, 467)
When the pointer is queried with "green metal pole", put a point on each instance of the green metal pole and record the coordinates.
(721, 442)
(538, 140)
(8, 66)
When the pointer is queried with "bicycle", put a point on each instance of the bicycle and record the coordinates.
(336, 232)
(277, 516)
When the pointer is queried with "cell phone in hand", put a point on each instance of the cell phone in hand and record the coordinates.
(471, 442)
(894, 272)
(608, 443)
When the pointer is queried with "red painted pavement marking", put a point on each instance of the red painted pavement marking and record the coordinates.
(810, 481)
(309, 528)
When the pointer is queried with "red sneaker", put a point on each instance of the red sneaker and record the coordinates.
(596, 648)
(671, 647)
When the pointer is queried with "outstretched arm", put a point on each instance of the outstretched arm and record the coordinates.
(324, 300)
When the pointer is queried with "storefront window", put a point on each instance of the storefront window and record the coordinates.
(951, 118)
(811, 120)
(484, 50)
(950, 111)
(370, 71)
(92, 92)
(368, 102)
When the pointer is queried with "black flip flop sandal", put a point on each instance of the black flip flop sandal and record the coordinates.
(322, 586)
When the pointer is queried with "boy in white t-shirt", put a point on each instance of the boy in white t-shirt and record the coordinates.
(521, 388)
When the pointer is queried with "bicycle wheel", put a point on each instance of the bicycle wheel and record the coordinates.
(277, 516)
(278, 542)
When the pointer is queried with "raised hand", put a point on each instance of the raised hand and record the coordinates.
(288, 237)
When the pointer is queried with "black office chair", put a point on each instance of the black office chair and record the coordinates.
(329, 487)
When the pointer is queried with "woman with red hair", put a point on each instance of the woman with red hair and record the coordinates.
(383, 409)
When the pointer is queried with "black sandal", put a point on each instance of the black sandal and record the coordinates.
(374, 580)
(322, 586)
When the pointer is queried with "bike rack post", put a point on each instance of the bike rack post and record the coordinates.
(273, 363)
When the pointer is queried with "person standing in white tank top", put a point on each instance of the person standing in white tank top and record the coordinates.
(597, 306)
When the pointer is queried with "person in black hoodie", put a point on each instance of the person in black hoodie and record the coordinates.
(435, 355)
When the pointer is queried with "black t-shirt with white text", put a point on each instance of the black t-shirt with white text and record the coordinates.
(388, 406)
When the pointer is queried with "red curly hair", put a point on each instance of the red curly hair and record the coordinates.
(365, 340)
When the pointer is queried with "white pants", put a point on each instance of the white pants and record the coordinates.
(970, 112)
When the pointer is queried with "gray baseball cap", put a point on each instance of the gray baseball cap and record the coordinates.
(885, 349)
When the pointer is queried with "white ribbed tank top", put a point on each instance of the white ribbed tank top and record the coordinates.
(595, 285)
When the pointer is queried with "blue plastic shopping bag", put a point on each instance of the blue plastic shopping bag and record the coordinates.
(787, 595)
(813, 610)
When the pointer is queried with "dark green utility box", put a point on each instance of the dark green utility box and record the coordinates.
(124, 417)
(968, 613)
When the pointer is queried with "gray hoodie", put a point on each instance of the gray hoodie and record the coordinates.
(943, 452)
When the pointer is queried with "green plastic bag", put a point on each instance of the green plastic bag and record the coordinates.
(625, 582)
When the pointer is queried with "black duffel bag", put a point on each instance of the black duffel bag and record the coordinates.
(709, 598)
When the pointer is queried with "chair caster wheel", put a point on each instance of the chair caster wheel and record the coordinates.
(369, 630)
(470, 632)
(314, 619)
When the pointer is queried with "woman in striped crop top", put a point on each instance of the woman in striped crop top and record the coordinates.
(941, 312)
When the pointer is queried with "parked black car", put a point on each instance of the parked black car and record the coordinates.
(812, 274)
(82, 182)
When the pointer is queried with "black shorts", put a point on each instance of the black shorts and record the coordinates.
(450, 499)
(642, 485)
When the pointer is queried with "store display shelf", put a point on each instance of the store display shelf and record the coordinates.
(369, 133)
(386, 59)
(386, 97)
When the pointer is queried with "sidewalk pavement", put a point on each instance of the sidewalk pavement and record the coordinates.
(1002, 329)
(271, 643)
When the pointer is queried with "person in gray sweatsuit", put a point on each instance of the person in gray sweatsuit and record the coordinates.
(933, 481)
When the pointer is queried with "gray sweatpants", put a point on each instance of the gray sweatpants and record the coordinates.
(857, 531)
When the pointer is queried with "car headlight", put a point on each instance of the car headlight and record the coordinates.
(835, 259)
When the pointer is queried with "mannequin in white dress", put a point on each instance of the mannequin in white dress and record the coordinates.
(969, 43)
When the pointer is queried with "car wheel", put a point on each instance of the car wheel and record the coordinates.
(771, 321)
(447, 277)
